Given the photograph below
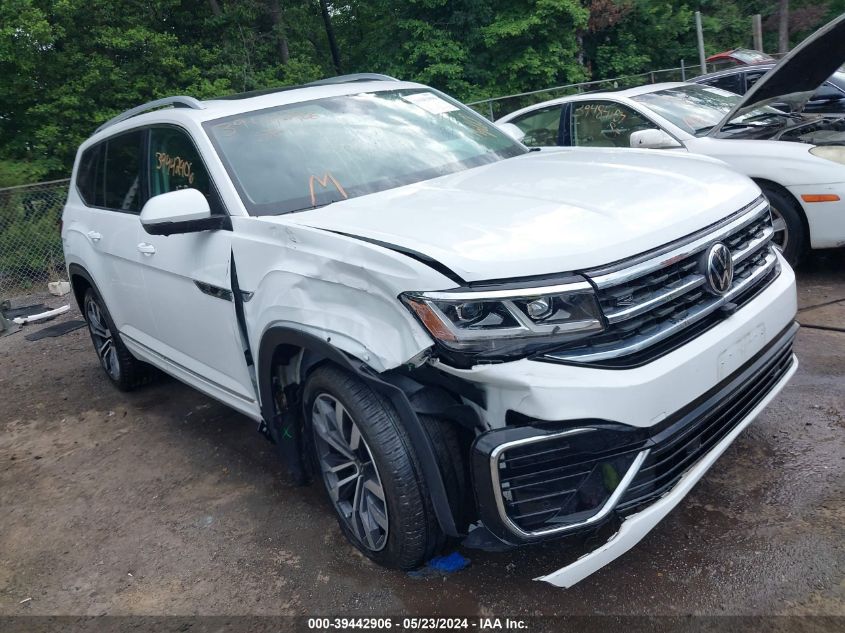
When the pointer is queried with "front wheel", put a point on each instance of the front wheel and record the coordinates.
(370, 470)
(790, 235)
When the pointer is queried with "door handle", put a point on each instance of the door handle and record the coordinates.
(146, 249)
(94, 236)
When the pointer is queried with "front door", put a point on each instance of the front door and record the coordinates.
(603, 123)
(188, 282)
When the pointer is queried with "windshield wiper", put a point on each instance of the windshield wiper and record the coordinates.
(766, 115)
(732, 125)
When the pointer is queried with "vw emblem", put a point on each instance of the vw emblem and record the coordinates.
(719, 268)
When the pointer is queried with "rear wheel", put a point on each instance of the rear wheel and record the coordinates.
(124, 370)
(790, 235)
(370, 470)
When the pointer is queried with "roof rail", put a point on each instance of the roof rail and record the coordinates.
(340, 79)
(343, 79)
(176, 102)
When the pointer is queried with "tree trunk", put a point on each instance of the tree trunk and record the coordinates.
(279, 31)
(783, 27)
(215, 8)
(327, 20)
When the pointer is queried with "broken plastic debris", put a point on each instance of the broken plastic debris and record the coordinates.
(44, 315)
(24, 600)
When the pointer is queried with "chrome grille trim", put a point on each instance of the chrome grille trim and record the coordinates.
(601, 512)
(659, 296)
(683, 251)
(691, 282)
(668, 328)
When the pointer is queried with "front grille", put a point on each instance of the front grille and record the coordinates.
(654, 299)
(674, 450)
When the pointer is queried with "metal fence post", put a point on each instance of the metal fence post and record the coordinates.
(700, 35)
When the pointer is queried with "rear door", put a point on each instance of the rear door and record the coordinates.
(188, 281)
(541, 127)
(105, 225)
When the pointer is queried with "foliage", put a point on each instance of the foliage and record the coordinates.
(68, 65)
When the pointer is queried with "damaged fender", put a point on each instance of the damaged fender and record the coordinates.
(335, 288)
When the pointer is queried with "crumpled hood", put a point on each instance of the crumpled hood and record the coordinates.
(798, 75)
(544, 212)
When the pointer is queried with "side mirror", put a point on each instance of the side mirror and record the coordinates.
(181, 211)
(653, 139)
(511, 130)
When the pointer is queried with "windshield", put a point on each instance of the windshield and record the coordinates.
(838, 80)
(304, 155)
(696, 109)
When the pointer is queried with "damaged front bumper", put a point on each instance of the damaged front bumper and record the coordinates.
(544, 480)
(636, 526)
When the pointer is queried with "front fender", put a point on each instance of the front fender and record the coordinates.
(332, 287)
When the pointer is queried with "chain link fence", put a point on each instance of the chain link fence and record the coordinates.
(30, 239)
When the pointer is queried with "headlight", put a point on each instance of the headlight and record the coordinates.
(495, 324)
(836, 153)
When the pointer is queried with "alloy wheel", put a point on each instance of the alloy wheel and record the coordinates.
(781, 235)
(103, 339)
(349, 472)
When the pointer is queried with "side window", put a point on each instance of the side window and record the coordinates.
(175, 163)
(122, 186)
(730, 83)
(540, 127)
(752, 77)
(89, 177)
(110, 173)
(605, 124)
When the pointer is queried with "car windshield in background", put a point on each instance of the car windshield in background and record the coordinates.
(838, 80)
(747, 56)
(697, 109)
(309, 154)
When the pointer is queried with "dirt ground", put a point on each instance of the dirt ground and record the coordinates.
(164, 502)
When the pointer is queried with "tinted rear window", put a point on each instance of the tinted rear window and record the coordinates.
(110, 173)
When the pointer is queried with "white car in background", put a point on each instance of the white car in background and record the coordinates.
(797, 159)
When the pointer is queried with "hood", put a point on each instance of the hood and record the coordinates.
(798, 75)
(542, 213)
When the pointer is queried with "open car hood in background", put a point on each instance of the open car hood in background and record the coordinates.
(798, 75)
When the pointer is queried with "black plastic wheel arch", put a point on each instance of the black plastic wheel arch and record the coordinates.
(291, 451)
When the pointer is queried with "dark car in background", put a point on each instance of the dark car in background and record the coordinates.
(828, 99)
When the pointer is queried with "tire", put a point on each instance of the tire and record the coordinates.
(790, 232)
(124, 370)
(370, 470)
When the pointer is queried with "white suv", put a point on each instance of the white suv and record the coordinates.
(458, 335)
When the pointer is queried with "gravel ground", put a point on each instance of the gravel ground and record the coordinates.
(164, 502)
